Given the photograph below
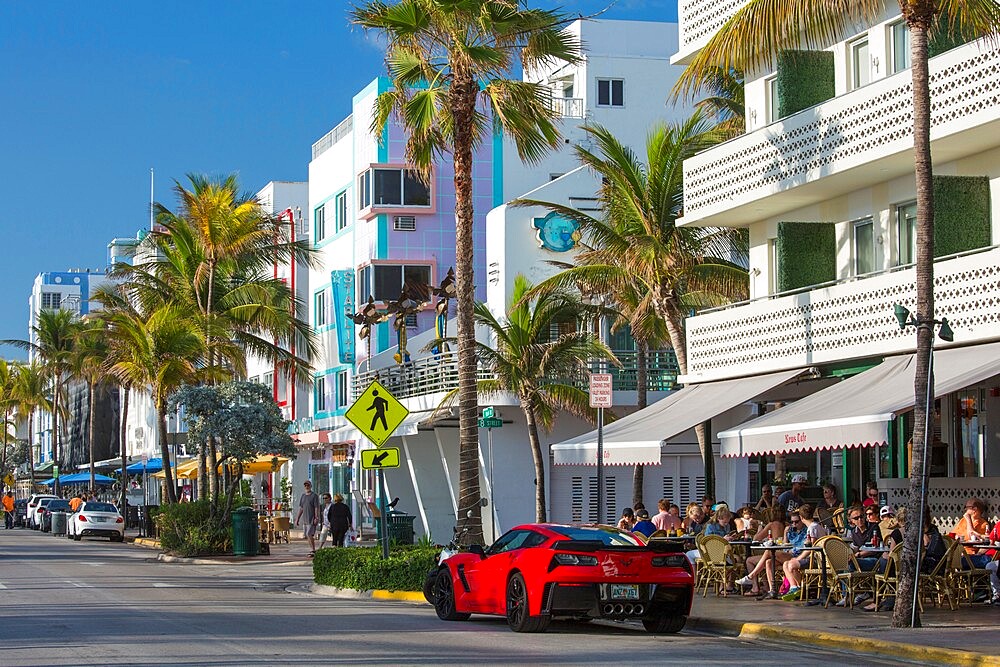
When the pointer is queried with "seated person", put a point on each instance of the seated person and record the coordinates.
(627, 520)
(993, 564)
(745, 523)
(694, 520)
(973, 527)
(793, 566)
(767, 498)
(859, 535)
(643, 526)
(794, 535)
(675, 510)
(664, 520)
(887, 520)
(721, 522)
(871, 494)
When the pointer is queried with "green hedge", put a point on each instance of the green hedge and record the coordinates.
(363, 569)
(186, 530)
(806, 254)
(961, 214)
(805, 78)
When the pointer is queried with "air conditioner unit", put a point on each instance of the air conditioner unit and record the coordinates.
(404, 223)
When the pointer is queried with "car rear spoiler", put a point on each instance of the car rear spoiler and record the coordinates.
(659, 546)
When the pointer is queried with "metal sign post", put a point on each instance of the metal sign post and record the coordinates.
(600, 398)
(489, 422)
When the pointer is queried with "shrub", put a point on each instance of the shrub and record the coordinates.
(363, 569)
(186, 530)
(805, 78)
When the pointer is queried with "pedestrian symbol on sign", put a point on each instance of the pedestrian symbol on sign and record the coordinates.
(379, 405)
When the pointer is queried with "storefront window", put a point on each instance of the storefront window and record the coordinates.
(969, 440)
(319, 473)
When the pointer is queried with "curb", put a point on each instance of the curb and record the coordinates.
(851, 643)
(378, 594)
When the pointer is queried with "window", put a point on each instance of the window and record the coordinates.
(267, 379)
(906, 233)
(342, 389)
(900, 46)
(385, 281)
(255, 379)
(864, 247)
(319, 223)
(340, 208)
(320, 305)
(773, 113)
(860, 63)
(392, 187)
(610, 92)
(51, 300)
(320, 394)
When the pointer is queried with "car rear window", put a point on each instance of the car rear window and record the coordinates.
(100, 507)
(607, 536)
(58, 505)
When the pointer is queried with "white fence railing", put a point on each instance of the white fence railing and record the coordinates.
(333, 136)
(568, 107)
(700, 19)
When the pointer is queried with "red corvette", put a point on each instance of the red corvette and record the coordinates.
(537, 572)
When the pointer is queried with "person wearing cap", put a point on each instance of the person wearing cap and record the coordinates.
(886, 520)
(791, 500)
(643, 526)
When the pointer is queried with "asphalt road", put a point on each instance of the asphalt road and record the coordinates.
(97, 603)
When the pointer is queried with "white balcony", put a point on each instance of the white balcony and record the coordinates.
(568, 107)
(699, 20)
(846, 144)
(849, 319)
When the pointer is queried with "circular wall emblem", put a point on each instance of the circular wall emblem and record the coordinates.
(556, 233)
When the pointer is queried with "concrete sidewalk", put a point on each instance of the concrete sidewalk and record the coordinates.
(963, 637)
(295, 552)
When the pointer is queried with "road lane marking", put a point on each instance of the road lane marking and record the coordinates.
(158, 584)
(2, 587)
(81, 585)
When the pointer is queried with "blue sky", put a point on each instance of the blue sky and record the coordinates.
(94, 94)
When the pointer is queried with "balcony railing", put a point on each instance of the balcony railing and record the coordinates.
(849, 319)
(861, 137)
(568, 107)
(700, 19)
(333, 136)
(439, 374)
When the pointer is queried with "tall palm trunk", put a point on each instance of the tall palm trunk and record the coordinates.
(123, 439)
(463, 92)
(90, 434)
(923, 387)
(31, 450)
(168, 473)
(641, 401)
(3, 460)
(528, 405)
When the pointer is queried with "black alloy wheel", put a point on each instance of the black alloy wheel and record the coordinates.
(444, 605)
(664, 625)
(519, 616)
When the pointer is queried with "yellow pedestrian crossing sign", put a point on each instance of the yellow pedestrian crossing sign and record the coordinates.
(387, 457)
(377, 413)
(9, 480)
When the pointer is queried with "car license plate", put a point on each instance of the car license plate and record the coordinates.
(101, 519)
(624, 591)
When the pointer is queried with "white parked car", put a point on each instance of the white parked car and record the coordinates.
(31, 514)
(96, 519)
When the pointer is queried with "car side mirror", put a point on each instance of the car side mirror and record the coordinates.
(477, 549)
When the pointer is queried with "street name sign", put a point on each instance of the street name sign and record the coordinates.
(373, 459)
(377, 413)
(490, 422)
(488, 412)
(600, 390)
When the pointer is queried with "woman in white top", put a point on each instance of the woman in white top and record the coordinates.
(793, 567)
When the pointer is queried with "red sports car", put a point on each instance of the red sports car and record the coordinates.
(537, 572)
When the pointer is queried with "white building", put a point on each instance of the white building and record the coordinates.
(826, 188)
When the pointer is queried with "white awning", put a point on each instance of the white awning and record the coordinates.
(636, 439)
(857, 411)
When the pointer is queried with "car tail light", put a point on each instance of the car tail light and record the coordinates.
(573, 559)
(82, 517)
(119, 520)
(673, 560)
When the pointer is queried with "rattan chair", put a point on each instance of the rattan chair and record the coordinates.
(887, 582)
(282, 528)
(847, 574)
(812, 573)
(719, 571)
(940, 582)
(967, 578)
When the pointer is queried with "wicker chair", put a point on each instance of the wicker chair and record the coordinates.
(812, 573)
(847, 574)
(282, 528)
(716, 566)
(968, 579)
(887, 582)
(940, 582)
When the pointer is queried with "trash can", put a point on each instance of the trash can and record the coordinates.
(246, 535)
(59, 523)
(400, 527)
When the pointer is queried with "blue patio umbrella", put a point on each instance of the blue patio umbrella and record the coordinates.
(84, 478)
(49, 482)
(152, 465)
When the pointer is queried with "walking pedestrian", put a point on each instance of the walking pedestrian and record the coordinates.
(8, 510)
(325, 530)
(340, 519)
(308, 515)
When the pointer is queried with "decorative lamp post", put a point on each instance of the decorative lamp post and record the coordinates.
(367, 317)
(444, 292)
(408, 303)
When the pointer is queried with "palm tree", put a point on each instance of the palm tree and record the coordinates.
(637, 254)
(55, 333)
(755, 35)
(160, 353)
(90, 351)
(449, 63)
(30, 392)
(8, 374)
(214, 255)
(725, 102)
(527, 363)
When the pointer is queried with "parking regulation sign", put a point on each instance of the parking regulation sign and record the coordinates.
(600, 390)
